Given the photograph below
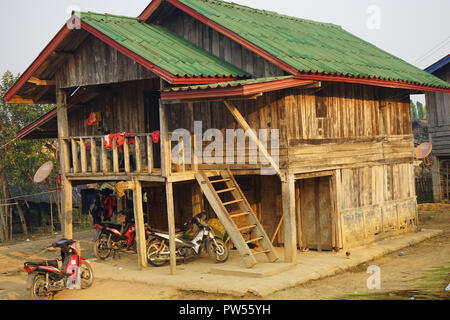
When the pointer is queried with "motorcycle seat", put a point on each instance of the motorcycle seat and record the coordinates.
(166, 232)
(49, 263)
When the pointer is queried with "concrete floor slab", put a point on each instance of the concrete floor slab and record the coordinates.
(202, 274)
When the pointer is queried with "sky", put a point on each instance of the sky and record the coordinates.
(416, 31)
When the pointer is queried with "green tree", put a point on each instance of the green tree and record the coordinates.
(414, 115)
(420, 110)
(18, 158)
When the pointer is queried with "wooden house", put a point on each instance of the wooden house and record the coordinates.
(438, 110)
(337, 173)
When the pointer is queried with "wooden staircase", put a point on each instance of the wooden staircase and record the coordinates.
(229, 220)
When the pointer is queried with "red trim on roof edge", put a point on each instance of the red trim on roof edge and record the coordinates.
(149, 10)
(60, 36)
(242, 90)
(372, 82)
(46, 117)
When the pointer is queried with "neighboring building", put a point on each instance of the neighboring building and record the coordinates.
(438, 109)
(337, 107)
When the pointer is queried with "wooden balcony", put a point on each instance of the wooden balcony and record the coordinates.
(88, 158)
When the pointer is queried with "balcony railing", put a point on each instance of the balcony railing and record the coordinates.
(91, 155)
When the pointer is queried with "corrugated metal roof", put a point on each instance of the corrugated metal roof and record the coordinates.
(312, 47)
(438, 64)
(161, 47)
(228, 84)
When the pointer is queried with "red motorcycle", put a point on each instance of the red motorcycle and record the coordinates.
(46, 278)
(110, 240)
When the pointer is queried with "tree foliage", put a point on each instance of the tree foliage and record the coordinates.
(20, 157)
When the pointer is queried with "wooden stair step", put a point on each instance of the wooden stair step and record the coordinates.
(261, 252)
(225, 190)
(239, 214)
(248, 227)
(254, 240)
(232, 202)
(221, 180)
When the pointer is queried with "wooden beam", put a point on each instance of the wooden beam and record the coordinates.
(165, 150)
(243, 123)
(289, 213)
(140, 227)
(40, 82)
(20, 100)
(436, 180)
(66, 193)
(171, 221)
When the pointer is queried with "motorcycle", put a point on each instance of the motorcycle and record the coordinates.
(158, 252)
(46, 278)
(110, 240)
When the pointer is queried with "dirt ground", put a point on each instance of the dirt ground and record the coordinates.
(399, 271)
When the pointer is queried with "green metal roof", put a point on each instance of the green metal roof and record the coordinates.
(161, 47)
(227, 84)
(311, 46)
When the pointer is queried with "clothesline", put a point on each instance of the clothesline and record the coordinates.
(27, 196)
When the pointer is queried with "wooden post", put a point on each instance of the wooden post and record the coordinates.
(126, 156)
(436, 179)
(94, 166)
(66, 193)
(150, 154)
(138, 154)
(115, 157)
(140, 227)
(105, 161)
(171, 221)
(165, 158)
(83, 156)
(289, 212)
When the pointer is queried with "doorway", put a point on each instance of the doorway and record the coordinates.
(315, 213)
(152, 121)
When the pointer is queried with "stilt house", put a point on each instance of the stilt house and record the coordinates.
(325, 160)
(438, 112)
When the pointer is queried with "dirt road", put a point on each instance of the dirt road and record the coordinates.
(398, 272)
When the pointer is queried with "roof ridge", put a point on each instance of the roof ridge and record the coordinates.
(268, 12)
(104, 14)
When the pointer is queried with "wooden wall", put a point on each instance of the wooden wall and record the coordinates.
(122, 107)
(376, 201)
(215, 43)
(95, 62)
(438, 110)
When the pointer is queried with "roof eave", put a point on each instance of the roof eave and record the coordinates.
(237, 91)
(372, 82)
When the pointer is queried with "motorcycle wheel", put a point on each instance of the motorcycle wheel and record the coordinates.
(87, 275)
(218, 250)
(38, 290)
(101, 249)
(153, 253)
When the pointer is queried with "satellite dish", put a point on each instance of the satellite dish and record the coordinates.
(43, 172)
(423, 151)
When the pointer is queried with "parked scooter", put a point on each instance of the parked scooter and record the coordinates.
(46, 278)
(110, 240)
(158, 252)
